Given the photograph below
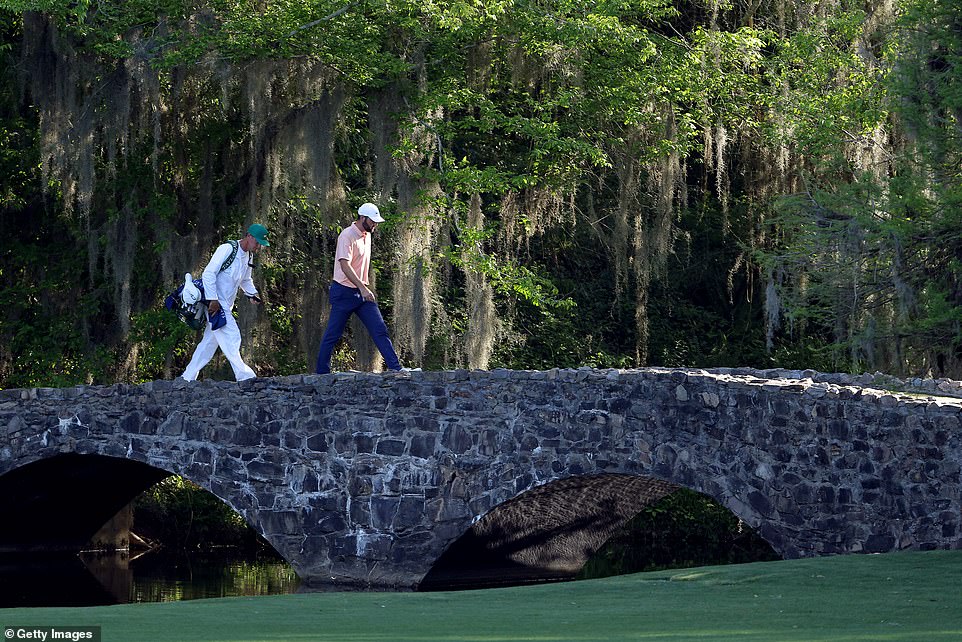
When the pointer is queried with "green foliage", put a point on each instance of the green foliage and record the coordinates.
(683, 530)
(182, 516)
(163, 338)
(19, 158)
(817, 204)
(549, 123)
(550, 342)
(18, 180)
(290, 359)
(507, 277)
(39, 298)
(865, 268)
(824, 72)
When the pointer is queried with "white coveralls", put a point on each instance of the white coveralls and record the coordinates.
(223, 286)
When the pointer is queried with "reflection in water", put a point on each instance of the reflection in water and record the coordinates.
(93, 579)
(49, 580)
(167, 579)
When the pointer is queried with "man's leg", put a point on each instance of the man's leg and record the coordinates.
(203, 353)
(371, 317)
(229, 340)
(343, 302)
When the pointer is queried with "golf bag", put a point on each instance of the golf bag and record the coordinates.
(189, 303)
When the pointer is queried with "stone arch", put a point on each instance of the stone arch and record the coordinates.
(70, 496)
(547, 532)
(67, 497)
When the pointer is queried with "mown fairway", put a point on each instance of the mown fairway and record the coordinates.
(900, 596)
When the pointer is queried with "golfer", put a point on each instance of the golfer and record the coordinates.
(350, 294)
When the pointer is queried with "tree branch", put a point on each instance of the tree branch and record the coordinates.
(330, 16)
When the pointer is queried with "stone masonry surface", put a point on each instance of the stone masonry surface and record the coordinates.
(365, 479)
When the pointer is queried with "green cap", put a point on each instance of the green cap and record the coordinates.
(259, 232)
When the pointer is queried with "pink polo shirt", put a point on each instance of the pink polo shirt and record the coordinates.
(355, 246)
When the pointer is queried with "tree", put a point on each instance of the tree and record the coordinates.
(641, 181)
(867, 264)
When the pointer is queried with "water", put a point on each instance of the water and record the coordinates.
(95, 579)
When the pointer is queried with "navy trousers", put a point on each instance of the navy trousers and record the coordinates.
(346, 301)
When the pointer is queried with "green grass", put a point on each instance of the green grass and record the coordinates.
(899, 596)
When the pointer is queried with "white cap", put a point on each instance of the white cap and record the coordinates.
(371, 211)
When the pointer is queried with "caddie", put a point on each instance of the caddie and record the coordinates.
(228, 270)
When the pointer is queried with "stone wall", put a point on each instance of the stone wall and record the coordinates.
(367, 479)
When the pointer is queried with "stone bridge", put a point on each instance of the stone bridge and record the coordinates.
(368, 480)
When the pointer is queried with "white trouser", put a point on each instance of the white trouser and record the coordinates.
(228, 339)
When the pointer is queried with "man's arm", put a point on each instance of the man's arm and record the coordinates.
(356, 280)
(247, 286)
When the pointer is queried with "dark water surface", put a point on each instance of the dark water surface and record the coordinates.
(95, 579)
